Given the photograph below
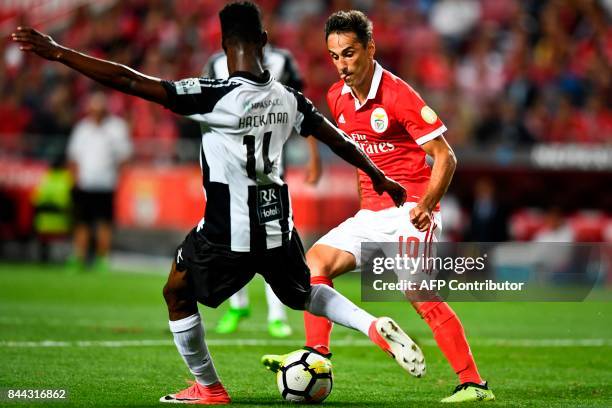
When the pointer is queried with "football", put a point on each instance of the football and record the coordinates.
(305, 377)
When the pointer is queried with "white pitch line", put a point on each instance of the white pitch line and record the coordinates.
(249, 327)
(521, 343)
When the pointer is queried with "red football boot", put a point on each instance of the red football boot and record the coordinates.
(199, 394)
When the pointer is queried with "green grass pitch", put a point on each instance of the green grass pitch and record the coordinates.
(104, 339)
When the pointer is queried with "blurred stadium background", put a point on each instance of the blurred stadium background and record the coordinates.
(523, 86)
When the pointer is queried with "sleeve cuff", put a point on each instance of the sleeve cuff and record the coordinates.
(171, 92)
(309, 123)
(431, 136)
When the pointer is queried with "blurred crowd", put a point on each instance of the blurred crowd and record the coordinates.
(498, 72)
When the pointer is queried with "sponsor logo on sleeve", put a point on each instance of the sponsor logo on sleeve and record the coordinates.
(188, 86)
(428, 115)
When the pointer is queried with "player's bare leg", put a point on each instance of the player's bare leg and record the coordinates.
(186, 326)
(80, 242)
(324, 260)
(104, 233)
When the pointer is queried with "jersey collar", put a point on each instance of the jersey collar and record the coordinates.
(264, 79)
(378, 71)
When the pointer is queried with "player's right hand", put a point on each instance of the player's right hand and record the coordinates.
(41, 44)
(393, 188)
(420, 217)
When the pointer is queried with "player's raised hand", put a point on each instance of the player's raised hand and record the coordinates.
(393, 188)
(41, 44)
(420, 218)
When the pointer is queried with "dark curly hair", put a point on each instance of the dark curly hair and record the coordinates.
(241, 21)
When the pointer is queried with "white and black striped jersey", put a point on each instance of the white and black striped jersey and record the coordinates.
(245, 121)
(278, 61)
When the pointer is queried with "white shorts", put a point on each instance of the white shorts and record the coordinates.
(388, 225)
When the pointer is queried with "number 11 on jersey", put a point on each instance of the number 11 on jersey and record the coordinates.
(249, 142)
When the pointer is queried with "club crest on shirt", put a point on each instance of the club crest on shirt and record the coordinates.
(379, 120)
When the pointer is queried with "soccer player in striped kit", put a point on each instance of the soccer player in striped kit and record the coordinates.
(283, 68)
(247, 227)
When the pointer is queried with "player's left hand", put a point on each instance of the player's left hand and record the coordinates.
(420, 217)
(41, 44)
(393, 188)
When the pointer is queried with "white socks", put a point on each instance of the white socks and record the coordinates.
(276, 309)
(189, 339)
(240, 299)
(327, 302)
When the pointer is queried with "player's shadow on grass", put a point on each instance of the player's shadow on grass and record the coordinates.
(280, 403)
(271, 403)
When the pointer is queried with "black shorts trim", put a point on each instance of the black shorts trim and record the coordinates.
(92, 206)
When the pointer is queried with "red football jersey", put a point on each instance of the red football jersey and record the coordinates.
(390, 126)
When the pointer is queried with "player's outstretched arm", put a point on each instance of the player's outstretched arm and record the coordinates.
(344, 147)
(442, 172)
(108, 73)
(313, 168)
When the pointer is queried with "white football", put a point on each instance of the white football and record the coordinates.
(305, 377)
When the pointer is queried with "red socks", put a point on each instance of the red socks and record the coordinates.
(318, 329)
(444, 323)
(449, 335)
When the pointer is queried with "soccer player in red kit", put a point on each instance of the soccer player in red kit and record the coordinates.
(396, 129)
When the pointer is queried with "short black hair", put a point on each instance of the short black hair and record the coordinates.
(241, 21)
(353, 21)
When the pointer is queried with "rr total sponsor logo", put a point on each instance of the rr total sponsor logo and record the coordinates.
(267, 196)
(269, 206)
(379, 120)
(270, 212)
